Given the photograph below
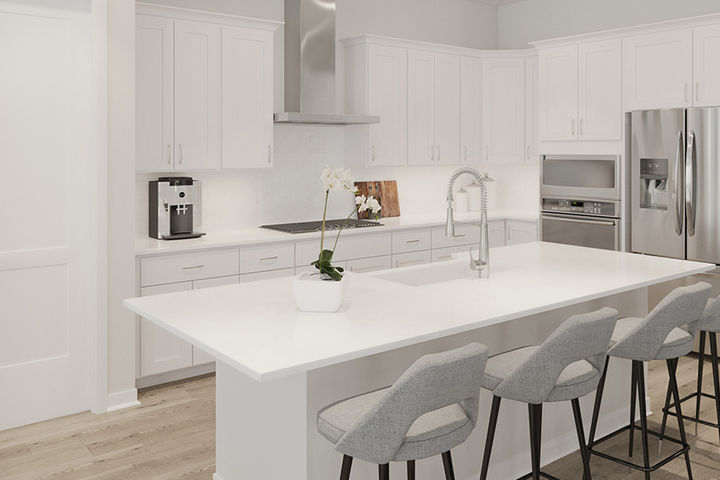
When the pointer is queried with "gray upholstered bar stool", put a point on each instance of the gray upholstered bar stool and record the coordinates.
(658, 336)
(709, 325)
(565, 367)
(429, 410)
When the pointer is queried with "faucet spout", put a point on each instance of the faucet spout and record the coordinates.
(482, 263)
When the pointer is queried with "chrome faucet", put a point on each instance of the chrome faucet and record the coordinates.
(482, 264)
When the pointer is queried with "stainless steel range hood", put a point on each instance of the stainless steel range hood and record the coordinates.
(310, 66)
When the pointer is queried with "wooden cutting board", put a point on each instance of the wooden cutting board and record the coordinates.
(386, 193)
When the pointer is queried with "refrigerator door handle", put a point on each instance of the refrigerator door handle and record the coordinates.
(680, 149)
(691, 183)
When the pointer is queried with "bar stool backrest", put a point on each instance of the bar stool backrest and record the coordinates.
(580, 337)
(432, 382)
(680, 308)
(710, 318)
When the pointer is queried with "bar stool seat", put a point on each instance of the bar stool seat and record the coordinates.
(677, 343)
(575, 381)
(431, 434)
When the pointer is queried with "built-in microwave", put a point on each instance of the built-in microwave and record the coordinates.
(580, 176)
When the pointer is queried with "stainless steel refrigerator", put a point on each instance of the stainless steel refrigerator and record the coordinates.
(675, 183)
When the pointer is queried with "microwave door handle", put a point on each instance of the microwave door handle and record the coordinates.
(680, 150)
(691, 183)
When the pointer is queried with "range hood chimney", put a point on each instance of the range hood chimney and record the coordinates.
(310, 66)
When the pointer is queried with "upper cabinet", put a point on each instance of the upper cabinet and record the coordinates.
(504, 109)
(580, 88)
(532, 121)
(706, 69)
(204, 91)
(471, 110)
(658, 70)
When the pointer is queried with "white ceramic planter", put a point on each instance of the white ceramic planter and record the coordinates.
(314, 294)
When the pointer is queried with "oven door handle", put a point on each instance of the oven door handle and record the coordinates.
(608, 223)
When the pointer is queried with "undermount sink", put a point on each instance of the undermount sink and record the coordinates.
(420, 275)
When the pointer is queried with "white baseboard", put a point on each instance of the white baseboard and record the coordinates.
(120, 400)
(175, 375)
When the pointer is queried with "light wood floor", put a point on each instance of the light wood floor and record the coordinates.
(172, 436)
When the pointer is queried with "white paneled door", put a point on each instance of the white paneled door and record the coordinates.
(706, 64)
(447, 109)
(421, 108)
(559, 93)
(48, 273)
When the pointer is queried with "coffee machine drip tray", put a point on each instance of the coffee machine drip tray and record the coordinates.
(308, 227)
(182, 236)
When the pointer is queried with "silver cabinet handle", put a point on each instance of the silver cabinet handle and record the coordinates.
(527, 154)
(432, 153)
(691, 183)
(412, 242)
(269, 154)
(269, 259)
(169, 154)
(580, 127)
(676, 185)
(465, 153)
(193, 267)
(572, 127)
(458, 237)
(372, 153)
(438, 153)
(180, 152)
(487, 152)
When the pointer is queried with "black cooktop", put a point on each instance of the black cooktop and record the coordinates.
(307, 227)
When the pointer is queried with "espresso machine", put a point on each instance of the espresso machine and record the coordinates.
(174, 208)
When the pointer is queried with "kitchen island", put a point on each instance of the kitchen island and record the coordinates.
(277, 366)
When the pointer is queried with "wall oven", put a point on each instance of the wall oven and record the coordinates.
(580, 201)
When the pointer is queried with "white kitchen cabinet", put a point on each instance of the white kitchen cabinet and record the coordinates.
(247, 98)
(658, 70)
(471, 143)
(197, 95)
(504, 110)
(365, 265)
(158, 270)
(267, 257)
(411, 240)
(350, 247)
(706, 65)
(376, 83)
(408, 259)
(558, 88)
(532, 108)
(154, 97)
(160, 350)
(496, 233)
(521, 232)
(600, 91)
(447, 109)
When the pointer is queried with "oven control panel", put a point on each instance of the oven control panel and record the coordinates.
(581, 207)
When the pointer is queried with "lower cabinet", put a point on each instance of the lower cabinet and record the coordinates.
(365, 265)
(521, 232)
(496, 233)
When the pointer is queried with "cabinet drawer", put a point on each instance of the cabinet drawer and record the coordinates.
(445, 254)
(253, 277)
(411, 241)
(365, 265)
(267, 257)
(349, 247)
(464, 235)
(408, 259)
(188, 267)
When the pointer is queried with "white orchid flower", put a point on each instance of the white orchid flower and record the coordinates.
(359, 200)
(338, 180)
(374, 205)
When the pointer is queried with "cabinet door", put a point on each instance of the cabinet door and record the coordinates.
(387, 97)
(600, 78)
(471, 109)
(197, 95)
(160, 350)
(531, 108)
(658, 70)
(521, 232)
(447, 109)
(153, 93)
(408, 259)
(247, 98)
(421, 108)
(707, 66)
(504, 109)
(558, 93)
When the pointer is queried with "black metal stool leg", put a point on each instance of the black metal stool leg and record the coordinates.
(716, 375)
(345, 469)
(640, 375)
(535, 414)
(411, 470)
(701, 366)
(581, 439)
(384, 471)
(495, 410)
(448, 466)
(598, 402)
(665, 417)
(633, 400)
(672, 369)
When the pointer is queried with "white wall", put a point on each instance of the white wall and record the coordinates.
(531, 20)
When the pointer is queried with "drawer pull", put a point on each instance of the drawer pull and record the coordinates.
(398, 263)
(409, 242)
(194, 267)
(459, 236)
(269, 259)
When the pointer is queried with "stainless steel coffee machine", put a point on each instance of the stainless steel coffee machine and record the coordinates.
(174, 208)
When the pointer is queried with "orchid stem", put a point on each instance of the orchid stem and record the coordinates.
(342, 228)
(322, 235)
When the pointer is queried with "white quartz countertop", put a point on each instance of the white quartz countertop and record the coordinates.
(253, 236)
(256, 328)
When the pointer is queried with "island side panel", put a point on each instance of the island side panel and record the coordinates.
(260, 427)
(511, 457)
